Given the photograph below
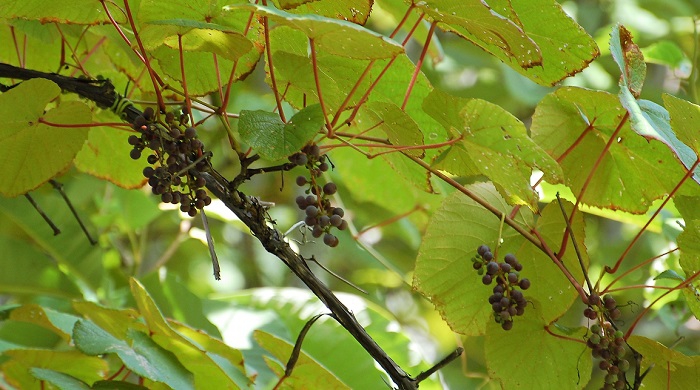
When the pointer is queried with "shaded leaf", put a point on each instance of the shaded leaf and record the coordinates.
(671, 369)
(273, 139)
(58, 379)
(138, 352)
(553, 367)
(355, 11)
(399, 127)
(307, 373)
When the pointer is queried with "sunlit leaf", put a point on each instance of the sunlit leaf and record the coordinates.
(106, 155)
(46, 150)
(493, 143)
(670, 369)
(573, 125)
(18, 369)
(444, 272)
(57, 322)
(629, 59)
(664, 52)
(399, 127)
(59, 11)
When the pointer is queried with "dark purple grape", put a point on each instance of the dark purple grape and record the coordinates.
(492, 267)
(483, 249)
(190, 132)
(339, 212)
(148, 113)
(486, 279)
(323, 167)
(330, 188)
(525, 284)
(301, 181)
(336, 220)
(512, 278)
(324, 221)
(301, 201)
(167, 197)
(317, 231)
(510, 259)
(488, 256)
(505, 267)
(135, 154)
(343, 225)
(477, 264)
(148, 172)
(330, 240)
(507, 325)
(152, 159)
(134, 140)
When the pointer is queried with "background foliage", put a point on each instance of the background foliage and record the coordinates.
(498, 103)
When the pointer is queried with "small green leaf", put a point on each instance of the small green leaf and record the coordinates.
(669, 274)
(400, 128)
(115, 322)
(307, 373)
(57, 322)
(273, 139)
(666, 53)
(40, 152)
(331, 36)
(629, 59)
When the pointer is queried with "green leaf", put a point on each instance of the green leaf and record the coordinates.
(355, 11)
(57, 322)
(138, 352)
(666, 53)
(573, 126)
(652, 121)
(42, 151)
(31, 272)
(201, 364)
(58, 379)
(562, 46)
(116, 385)
(18, 368)
(480, 24)
(540, 360)
(669, 274)
(307, 373)
(331, 36)
(400, 128)
(551, 290)
(106, 155)
(494, 143)
(283, 312)
(58, 11)
(444, 272)
(670, 369)
(273, 139)
(201, 17)
(115, 322)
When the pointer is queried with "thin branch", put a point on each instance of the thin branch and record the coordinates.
(296, 351)
(56, 230)
(573, 241)
(59, 187)
(442, 363)
(419, 64)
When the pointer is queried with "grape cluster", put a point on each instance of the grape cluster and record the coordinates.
(176, 155)
(321, 216)
(608, 344)
(507, 301)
